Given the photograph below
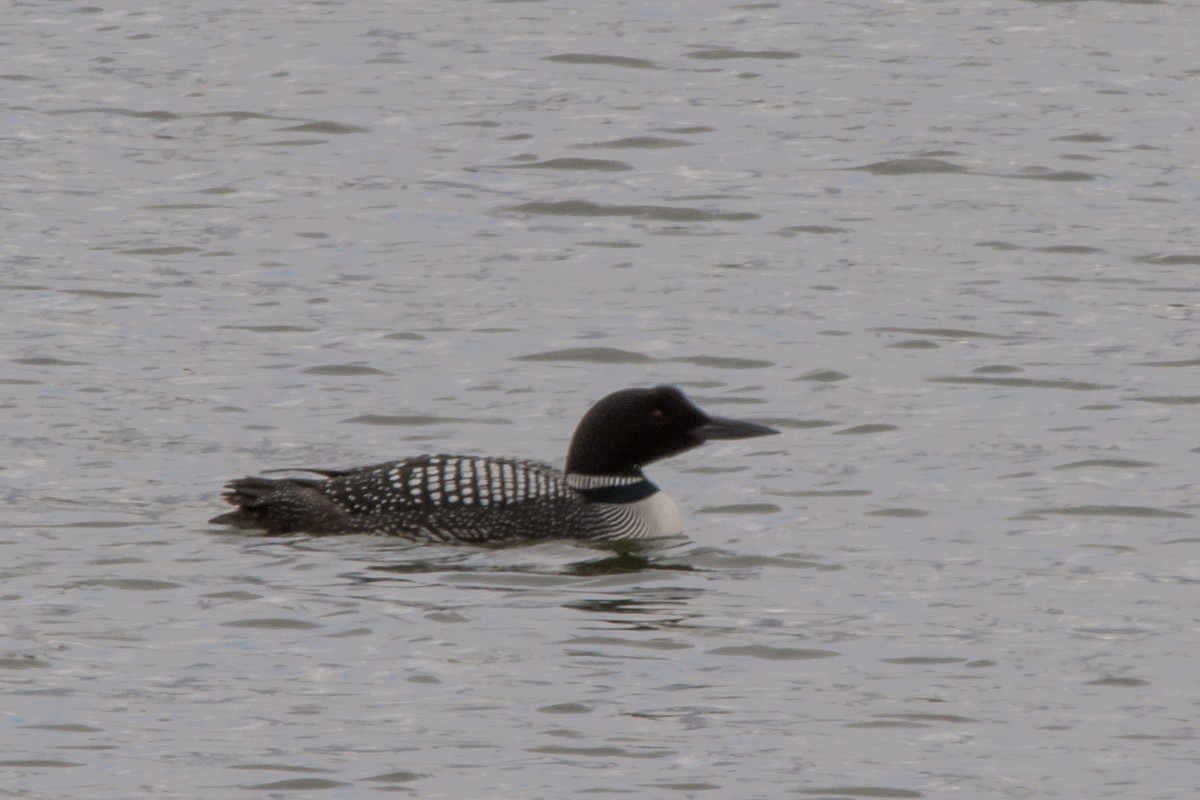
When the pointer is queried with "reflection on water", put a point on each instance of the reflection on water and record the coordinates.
(619, 557)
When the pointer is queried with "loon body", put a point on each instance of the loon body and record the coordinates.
(601, 494)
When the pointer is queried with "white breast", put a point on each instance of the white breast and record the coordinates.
(656, 515)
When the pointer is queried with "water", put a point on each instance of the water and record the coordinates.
(948, 248)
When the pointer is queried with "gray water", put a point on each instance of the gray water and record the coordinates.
(949, 248)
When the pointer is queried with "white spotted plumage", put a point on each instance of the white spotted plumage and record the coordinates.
(472, 498)
(603, 493)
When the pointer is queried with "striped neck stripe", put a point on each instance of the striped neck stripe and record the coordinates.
(612, 488)
(583, 482)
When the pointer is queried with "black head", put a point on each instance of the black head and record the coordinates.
(633, 427)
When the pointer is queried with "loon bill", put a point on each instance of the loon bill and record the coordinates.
(601, 493)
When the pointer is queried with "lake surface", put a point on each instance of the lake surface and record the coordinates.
(950, 249)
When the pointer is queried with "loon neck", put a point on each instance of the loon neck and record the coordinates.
(626, 488)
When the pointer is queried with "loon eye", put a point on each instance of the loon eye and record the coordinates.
(656, 413)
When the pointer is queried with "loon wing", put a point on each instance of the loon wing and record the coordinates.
(283, 505)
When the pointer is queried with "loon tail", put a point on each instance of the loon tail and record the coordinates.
(283, 505)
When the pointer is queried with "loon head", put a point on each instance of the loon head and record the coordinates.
(634, 427)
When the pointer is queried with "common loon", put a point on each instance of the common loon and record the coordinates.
(602, 494)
